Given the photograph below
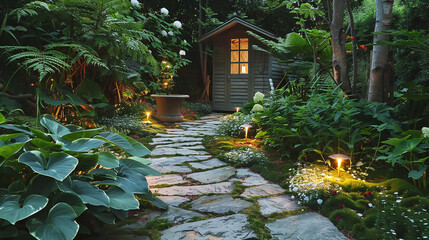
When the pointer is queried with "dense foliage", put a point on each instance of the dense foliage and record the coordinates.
(59, 182)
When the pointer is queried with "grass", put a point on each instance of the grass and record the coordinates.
(153, 228)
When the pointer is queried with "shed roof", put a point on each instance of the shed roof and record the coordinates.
(233, 22)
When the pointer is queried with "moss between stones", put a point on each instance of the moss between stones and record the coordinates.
(345, 218)
(340, 201)
(153, 228)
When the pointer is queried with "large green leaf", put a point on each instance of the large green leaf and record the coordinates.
(81, 134)
(58, 166)
(144, 161)
(128, 180)
(87, 161)
(140, 168)
(83, 145)
(2, 119)
(108, 160)
(88, 193)
(18, 128)
(116, 139)
(406, 146)
(122, 200)
(138, 149)
(11, 210)
(59, 224)
(41, 185)
(42, 144)
(9, 150)
(416, 174)
(56, 128)
(103, 172)
(71, 199)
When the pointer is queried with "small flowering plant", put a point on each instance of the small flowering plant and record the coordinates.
(244, 157)
(312, 185)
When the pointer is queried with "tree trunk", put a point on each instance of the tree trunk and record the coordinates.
(339, 63)
(354, 55)
(380, 53)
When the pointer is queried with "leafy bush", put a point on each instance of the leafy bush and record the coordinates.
(198, 108)
(325, 122)
(232, 125)
(55, 182)
(244, 157)
(123, 123)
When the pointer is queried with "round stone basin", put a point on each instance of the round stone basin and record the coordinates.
(168, 107)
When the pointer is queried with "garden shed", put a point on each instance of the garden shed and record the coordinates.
(238, 70)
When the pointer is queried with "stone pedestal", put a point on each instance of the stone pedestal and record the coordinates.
(168, 107)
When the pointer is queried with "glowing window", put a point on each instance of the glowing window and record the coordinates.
(240, 56)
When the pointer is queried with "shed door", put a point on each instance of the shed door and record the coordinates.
(237, 86)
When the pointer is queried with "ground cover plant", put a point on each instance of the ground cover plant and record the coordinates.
(57, 183)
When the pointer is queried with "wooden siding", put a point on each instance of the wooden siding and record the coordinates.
(261, 70)
(219, 78)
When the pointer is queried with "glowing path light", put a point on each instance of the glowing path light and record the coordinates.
(339, 158)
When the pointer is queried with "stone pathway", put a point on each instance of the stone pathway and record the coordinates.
(196, 184)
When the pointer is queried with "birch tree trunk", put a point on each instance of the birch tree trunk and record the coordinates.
(339, 63)
(380, 53)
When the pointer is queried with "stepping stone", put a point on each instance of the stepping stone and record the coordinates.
(168, 161)
(277, 204)
(170, 168)
(250, 178)
(176, 151)
(212, 163)
(262, 190)
(174, 200)
(167, 135)
(220, 204)
(306, 226)
(173, 215)
(197, 147)
(223, 187)
(170, 179)
(178, 139)
(232, 227)
(215, 175)
(181, 144)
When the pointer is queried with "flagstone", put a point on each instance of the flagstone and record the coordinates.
(170, 168)
(262, 190)
(248, 178)
(173, 214)
(223, 187)
(174, 200)
(277, 204)
(215, 175)
(220, 204)
(306, 226)
(212, 163)
(230, 227)
(169, 179)
(176, 151)
(177, 139)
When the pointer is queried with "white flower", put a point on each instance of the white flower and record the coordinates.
(150, 51)
(306, 199)
(164, 11)
(292, 197)
(177, 24)
(259, 97)
(164, 33)
(360, 214)
(319, 201)
(398, 201)
(184, 41)
(295, 189)
(135, 3)
(170, 33)
(257, 108)
(182, 53)
(369, 204)
(425, 131)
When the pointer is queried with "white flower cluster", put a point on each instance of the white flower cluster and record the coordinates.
(182, 53)
(259, 97)
(135, 3)
(425, 131)
(245, 157)
(311, 183)
(257, 108)
(177, 24)
(164, 11)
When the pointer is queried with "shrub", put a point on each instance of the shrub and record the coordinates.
(198, 108)
(244, 157)
(232, 125)
(123, 123)
(54, 182)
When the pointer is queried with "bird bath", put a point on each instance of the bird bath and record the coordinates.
(168, 107)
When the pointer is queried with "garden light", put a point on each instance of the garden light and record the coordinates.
(147, 118)
(237, 109)
(246, 129)
(339, 158)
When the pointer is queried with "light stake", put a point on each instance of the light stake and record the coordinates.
(339, 157)
(246, 129)
(339, 165)
(237, 109)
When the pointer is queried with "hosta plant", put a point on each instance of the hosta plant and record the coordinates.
(54, 183)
